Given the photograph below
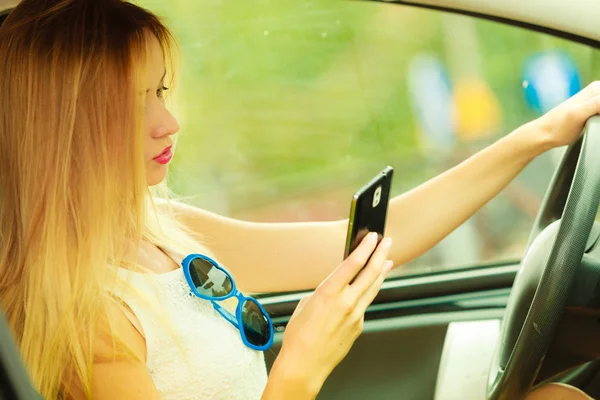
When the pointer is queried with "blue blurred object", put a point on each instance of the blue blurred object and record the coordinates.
(549, 78)
(431, 98)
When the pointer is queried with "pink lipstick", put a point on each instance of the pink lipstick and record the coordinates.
(165, 156)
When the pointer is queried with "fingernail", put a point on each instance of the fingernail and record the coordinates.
(387, 243)
(373, 237)
(389, 264)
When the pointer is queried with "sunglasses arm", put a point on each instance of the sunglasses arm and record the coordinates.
(226, 314)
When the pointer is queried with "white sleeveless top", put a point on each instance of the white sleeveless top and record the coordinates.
(215, 364)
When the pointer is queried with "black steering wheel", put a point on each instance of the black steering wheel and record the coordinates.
(553, 268)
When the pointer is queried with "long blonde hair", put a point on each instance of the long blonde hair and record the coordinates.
(72, 179)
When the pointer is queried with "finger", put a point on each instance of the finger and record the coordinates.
(371, 272)
(348, 269)
(589, 108)
(302, 302)
(369, 295)
(590, 91)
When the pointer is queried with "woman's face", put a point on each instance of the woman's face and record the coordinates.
(159, 123)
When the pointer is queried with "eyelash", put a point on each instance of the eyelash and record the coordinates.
(161, 92)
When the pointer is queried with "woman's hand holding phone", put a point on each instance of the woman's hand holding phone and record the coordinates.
(325, 324)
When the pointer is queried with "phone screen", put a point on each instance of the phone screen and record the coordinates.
(368, 210)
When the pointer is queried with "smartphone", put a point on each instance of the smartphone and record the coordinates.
(368, 210)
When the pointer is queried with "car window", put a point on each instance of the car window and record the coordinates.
(287, 107)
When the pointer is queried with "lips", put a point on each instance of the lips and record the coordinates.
(165, 156)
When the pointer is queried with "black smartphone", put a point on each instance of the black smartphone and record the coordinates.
(368, 210)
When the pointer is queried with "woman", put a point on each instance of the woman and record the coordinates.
(90, 274)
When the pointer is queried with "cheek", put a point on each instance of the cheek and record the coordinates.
(148, 138)
(148, 148)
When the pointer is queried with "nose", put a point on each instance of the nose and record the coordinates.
(165, 124)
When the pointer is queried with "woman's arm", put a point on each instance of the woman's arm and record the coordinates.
(422, 217)
(267, 257)
(119, 377)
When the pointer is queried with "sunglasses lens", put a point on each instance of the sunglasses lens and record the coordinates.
(208, 279)
(256, 326)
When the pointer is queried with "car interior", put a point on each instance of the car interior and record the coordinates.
(512, 299)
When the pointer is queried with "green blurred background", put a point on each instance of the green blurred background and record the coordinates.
(287, 107)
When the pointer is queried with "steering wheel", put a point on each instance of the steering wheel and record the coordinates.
(563, 232)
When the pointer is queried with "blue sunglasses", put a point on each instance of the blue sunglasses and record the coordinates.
(209, 281)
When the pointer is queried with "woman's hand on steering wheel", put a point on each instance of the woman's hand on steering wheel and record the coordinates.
(563, 124)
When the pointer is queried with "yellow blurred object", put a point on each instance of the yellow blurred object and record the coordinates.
(477, 110)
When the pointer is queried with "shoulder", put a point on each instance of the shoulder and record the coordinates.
(194, 216)
(119, 363)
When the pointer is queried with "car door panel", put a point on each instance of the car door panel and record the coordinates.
(398, 355)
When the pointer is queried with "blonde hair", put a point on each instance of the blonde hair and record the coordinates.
(72, 182)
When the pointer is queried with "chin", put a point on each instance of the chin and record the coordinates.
(156, 178)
